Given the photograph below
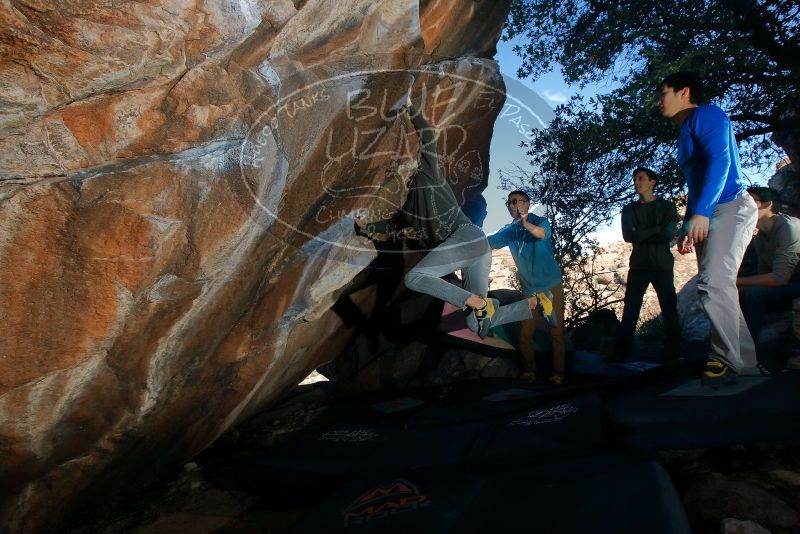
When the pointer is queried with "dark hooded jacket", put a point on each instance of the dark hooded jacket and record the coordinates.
(431, 212)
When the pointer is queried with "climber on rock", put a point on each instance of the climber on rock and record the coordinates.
(432, 216)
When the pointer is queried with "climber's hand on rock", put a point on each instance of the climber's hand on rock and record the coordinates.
(408, 233)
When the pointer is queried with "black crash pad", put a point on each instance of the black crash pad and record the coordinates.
(352, 440)
(543, 433)
(682, 413)
(609, 493)
(471, 425)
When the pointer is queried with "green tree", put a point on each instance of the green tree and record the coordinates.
(747, 52)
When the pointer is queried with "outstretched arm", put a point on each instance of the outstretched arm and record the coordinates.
(498, 239)
(377, 231)
(385, 230)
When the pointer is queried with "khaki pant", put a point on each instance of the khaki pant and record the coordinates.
(730, 231)
(528, 327)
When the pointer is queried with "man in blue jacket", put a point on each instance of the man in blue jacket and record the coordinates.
(529, 239)
(719, 221)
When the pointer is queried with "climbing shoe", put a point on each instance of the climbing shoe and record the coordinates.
(480, 320)
(486, 312)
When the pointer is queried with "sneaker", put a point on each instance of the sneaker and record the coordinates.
(717, 373)
(556, 380)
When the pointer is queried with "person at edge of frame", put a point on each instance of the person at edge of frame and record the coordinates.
(776, 282)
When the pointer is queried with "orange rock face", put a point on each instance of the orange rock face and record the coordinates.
(177, 186)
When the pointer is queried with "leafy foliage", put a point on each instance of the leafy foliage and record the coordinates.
(583, 292)
(746, 51)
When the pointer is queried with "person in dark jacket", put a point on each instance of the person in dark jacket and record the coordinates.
(432, 216)
(650, 224)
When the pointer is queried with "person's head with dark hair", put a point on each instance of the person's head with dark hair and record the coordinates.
(644, 181)
(518, 193)
(651, 174)
(679, 91)
(518, 203)
(475, 210)
(766, 198)
(678, 81)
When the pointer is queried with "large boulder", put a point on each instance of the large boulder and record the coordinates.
(177, 180)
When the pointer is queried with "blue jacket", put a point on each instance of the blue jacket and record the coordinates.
(536, 265)
(709, 158)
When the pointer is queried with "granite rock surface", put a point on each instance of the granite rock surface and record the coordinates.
(177, 184)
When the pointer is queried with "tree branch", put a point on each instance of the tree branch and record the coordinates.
(751, 20)
(754, 117)
(746, 134)
(772, 125)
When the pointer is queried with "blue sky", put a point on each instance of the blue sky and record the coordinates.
(505, 152)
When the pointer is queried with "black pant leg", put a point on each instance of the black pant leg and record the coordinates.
(635, 288)
(668, 300)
